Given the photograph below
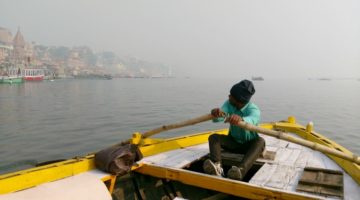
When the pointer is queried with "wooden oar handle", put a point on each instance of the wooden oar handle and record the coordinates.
(312, 145)
(250, 127)
(178, 125)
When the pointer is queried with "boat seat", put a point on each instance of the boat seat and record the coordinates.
(230, 159)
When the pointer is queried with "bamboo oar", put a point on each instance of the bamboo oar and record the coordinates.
(189, 122)
(250, 127)
(312, 145)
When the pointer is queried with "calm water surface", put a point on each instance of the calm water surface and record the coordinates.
(65, 118)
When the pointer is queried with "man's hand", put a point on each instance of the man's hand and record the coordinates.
(216, 112)
(233, 119)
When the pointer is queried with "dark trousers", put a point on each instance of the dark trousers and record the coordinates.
(251, 150)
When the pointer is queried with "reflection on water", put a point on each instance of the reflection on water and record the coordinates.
(65, 118)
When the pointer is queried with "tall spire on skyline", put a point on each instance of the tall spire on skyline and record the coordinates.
(19, 39)
(19, 46)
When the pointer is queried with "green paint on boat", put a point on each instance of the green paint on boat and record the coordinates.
(11, 80)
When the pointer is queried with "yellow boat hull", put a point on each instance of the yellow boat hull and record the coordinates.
(29, 178)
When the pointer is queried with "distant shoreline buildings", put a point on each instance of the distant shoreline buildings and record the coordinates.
(62, 62)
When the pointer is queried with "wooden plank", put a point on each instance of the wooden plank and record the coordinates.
(322, 182)
(295, 179)
(282, 177)
(328, 171)
(271, 148)
(268, 155)
(178, 158)
(303, 158)
(202, 147)
(286, 156)
(318, 190)
(277, 176)
(293, 157)
(269, 141)
(233, 159)
(274, 142)
(263, 175)
(322, 178)
(315, 160)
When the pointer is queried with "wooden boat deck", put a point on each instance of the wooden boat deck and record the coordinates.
(283, 173)
(178, 158)
(68, 188)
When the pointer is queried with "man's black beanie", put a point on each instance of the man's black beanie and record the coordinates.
(243, 91)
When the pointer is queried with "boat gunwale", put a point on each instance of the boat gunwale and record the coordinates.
(351, 168)
(155, 146)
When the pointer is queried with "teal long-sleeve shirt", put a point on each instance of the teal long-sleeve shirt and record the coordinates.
(250, 113)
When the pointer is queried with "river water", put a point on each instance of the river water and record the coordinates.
(65, 118)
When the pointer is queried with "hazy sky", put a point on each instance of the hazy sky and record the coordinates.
(227, 38)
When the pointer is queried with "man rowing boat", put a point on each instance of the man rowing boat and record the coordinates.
(238, 108)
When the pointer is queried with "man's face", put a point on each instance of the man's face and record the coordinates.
(236, 103)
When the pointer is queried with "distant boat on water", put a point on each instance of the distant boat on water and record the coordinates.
(108, 76)
(11, 79)
(33, 74)
(94, 76)
(257, 78)
(324, 79)
(11, 76)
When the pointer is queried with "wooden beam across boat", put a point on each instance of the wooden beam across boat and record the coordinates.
(224, 185)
